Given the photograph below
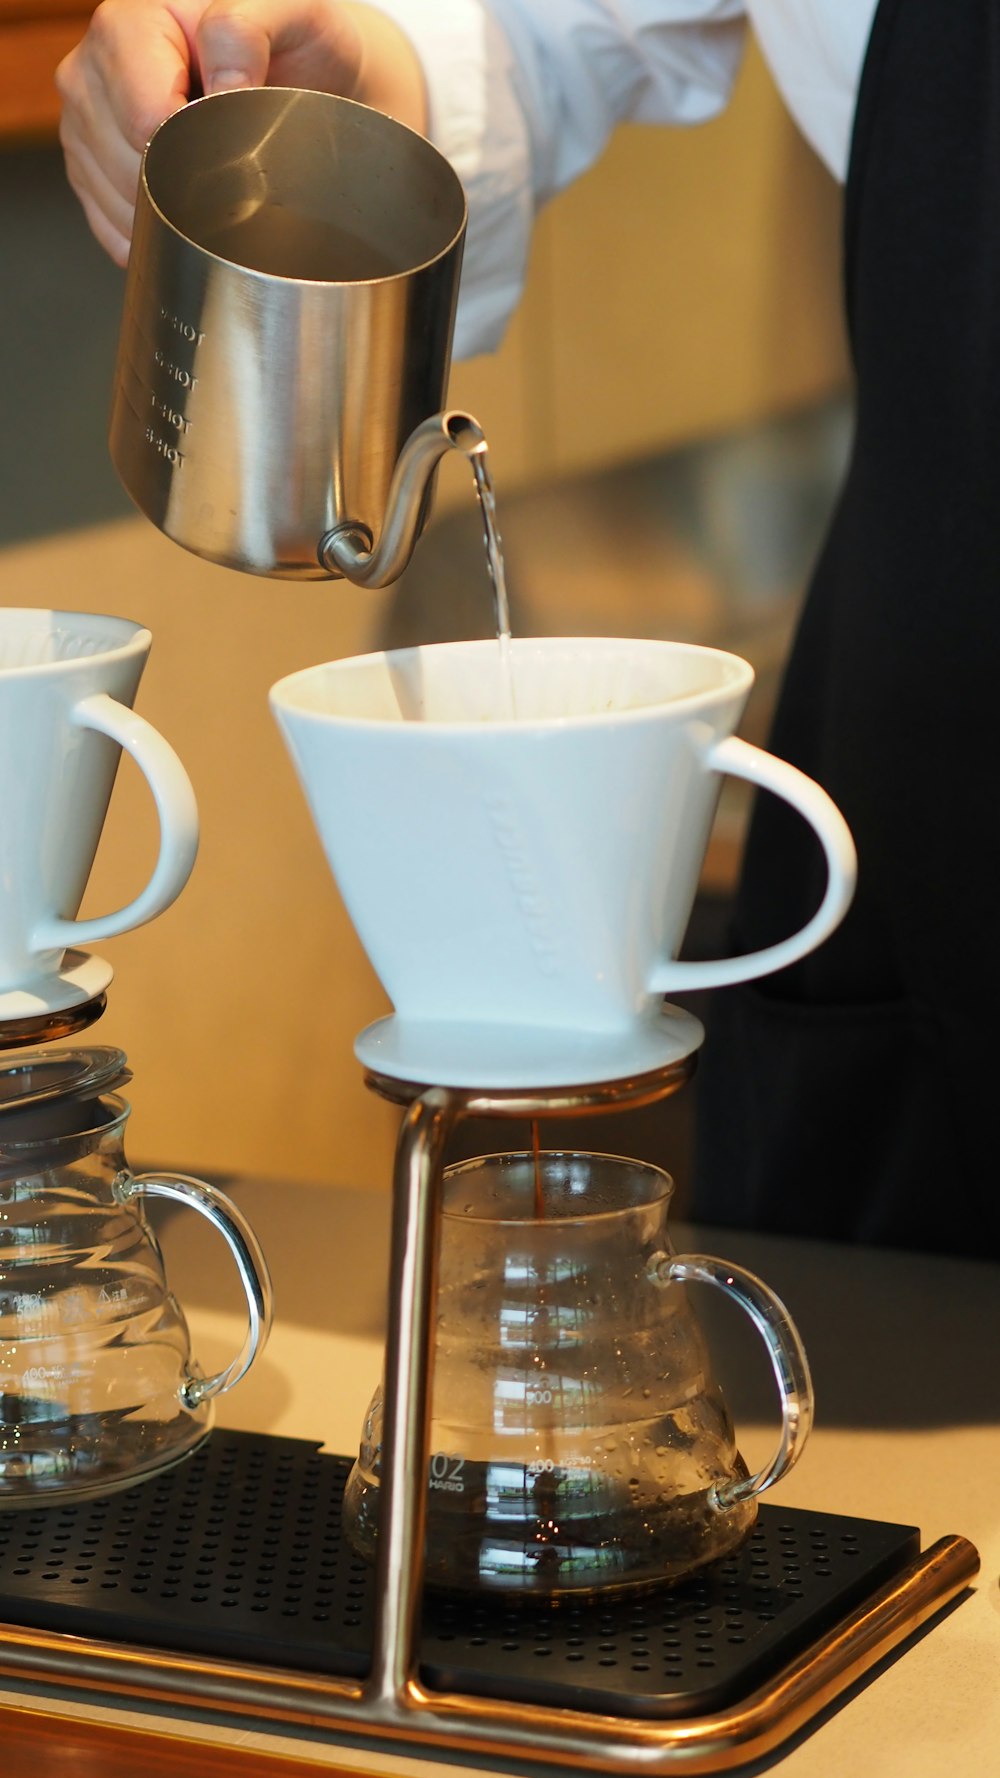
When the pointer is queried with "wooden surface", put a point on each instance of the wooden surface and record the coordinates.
(44, 11)
(33, 41)
(37, 1744)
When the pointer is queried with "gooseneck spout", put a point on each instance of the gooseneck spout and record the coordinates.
(347, 549)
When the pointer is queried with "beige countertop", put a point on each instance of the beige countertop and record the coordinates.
(903, 1350)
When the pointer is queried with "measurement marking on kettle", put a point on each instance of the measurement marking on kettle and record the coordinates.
(176, 371)
(164, 448)
(172, 415)
(184, 328)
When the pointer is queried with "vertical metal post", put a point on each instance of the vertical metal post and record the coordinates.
(409, 1364)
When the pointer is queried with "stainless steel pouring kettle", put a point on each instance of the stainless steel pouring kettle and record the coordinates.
(286, 334)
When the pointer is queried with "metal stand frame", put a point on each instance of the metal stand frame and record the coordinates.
(391, 1706)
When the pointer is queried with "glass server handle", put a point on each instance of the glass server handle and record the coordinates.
(246, 1250)
(785, 1350)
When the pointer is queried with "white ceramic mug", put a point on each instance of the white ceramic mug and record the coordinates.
(537, 872)
(67, 682)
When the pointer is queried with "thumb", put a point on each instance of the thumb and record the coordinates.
(234, 46)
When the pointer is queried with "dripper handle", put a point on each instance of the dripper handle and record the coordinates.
(246, 1250)
(740, 759)
(784, 1348)
(178, 816)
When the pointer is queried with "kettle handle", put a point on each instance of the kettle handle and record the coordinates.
(784, 1348)
(246, 1250)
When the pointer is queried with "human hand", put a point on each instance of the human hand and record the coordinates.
(142, 59)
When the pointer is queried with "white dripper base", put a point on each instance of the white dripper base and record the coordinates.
(80, 980)
(513, 1057)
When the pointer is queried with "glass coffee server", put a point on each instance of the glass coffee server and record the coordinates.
(98, 1386)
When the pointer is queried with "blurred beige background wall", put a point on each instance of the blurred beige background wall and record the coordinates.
(688, 286)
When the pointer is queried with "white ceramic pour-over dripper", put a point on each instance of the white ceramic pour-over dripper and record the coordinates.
(522, 887)
(67, 684)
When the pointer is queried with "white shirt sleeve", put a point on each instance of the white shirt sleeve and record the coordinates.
(816, 52)
(524, 95)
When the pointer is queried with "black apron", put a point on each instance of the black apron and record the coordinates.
(857, 1094)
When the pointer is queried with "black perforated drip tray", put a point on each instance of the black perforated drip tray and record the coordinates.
(237, 1553)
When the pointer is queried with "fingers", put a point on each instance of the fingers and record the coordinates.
(233, 46)
(311, 43)
(129, 73)
(139, 60)
(107, 212)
